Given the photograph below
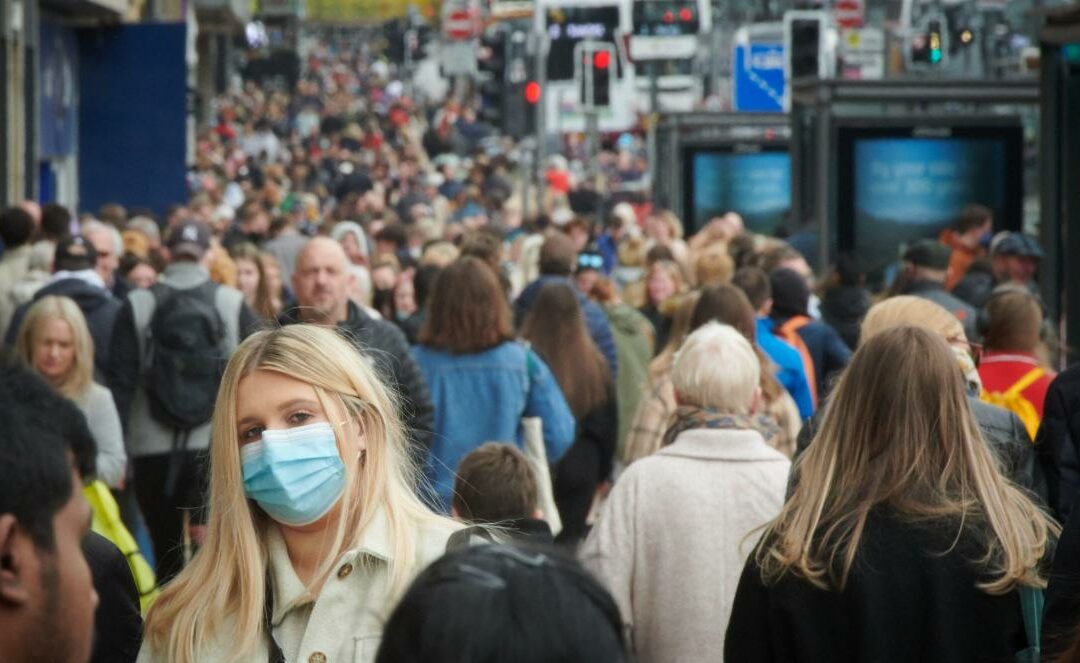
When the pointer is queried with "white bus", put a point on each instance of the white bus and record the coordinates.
(565, 24)
(669, 39)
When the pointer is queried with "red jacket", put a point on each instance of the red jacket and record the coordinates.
(1001, 370)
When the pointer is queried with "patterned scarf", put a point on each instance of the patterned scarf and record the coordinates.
(688, 417)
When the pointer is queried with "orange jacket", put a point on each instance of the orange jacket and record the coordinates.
(961, 259)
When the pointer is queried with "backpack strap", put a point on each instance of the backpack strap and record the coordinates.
(143, 305)
(789, 331)
(1025, 381)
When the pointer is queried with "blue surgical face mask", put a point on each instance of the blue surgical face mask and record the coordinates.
(296, 475)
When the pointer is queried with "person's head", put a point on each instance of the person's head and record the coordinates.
(108, 245)
(1013, 320)
(113, 214)
(55, 221)
(47, 597)
(391, 239)
(140, 273)
(16, 227)
(555, 326)
(927, 260)
(148, 228)
(755, 283)
(251, 277)
(74, 253)
(579, 232)
(254, 219)
(495, 483)
(717, 369)
(558, 256)
(790, 293)
(298, 382)
(973, 225)
(190, 241)
(404, 296)
(714, 266)
(784, 256)
(663, 281)
(503, 603)
(439, 253)
(909, 310)
(484, 245)
(924, 462)
(467, 310)
(725, 304)
(321, 281)
(589, 266)
(1015, 257)
(55, 341)
(663, 226)
(353, 240)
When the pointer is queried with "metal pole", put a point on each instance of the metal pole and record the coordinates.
(541, 120)
(654, 117)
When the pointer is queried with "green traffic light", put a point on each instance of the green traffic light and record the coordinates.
(935, 56)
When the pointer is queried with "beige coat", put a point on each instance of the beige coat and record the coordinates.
(673, 536)
(345, 622)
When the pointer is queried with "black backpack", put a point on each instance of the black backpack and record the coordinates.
(186, 355)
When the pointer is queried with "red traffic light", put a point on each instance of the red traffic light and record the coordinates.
(532, 92)
(602, 59)
(685, 15)
(669, 16)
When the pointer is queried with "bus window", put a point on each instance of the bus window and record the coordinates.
(665, 18)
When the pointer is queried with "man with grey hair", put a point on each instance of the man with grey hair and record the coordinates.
(108, 246)
(672, 538)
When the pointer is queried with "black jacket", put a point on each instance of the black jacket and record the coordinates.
(843, 308)
(585, 466)
(97, 305)
(911, 596)
(117, 621)
(1061, 615)
(389, 349)
(1004, 434)
(1058, 441)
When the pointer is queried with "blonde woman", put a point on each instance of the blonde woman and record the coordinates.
(314, 527)
(901, 541)
(55, 341)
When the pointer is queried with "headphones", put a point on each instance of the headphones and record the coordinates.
(983, 319)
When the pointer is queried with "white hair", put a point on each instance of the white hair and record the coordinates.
(716, 368)
(94, 226)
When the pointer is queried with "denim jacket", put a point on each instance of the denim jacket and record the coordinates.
(482, 398)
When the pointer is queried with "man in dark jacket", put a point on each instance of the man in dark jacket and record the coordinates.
(926, 268)
(74, 276)
(321, 283)
(1058, 442)
(791, 300)
(558, 258)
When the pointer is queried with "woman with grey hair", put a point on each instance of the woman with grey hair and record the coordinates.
(672, 538)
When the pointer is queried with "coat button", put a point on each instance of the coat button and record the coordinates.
(344, 571)
(317, 657)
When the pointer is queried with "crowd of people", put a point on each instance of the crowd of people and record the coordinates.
(350, 402)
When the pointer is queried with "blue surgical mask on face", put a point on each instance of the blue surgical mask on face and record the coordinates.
(296, 475)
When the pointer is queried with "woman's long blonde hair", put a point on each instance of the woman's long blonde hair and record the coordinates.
(898, 433)
(81, 375)
(226, 579)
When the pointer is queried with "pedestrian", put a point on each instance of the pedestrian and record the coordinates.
(252, 282)
(503, 603)
(495, 485)
(1012, 373)
(663, 282)
(55, 341)
(926, 271)
(468, 354)
(316, 527)
(139, 273)
(1058, 442)
(75, 277)
(966, 238)
(321, 283)
(672, 537)
(168, 346)
(16, 231)
(846, 299)
(898, 513)
(555, 328)
(108, 246)
(1014, 258)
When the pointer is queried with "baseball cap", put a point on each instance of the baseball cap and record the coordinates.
(190, 238)
(74, 253)
(928, 253)
(1016, 244)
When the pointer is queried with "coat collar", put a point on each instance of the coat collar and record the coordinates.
(290, 592)
(721, 444)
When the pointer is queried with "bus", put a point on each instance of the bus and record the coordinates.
(564, 25)
(669, 40)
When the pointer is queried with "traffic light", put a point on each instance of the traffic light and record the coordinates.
(601, 63)
(804, 53)
(491, 63)
(927, 46)
(934, 38)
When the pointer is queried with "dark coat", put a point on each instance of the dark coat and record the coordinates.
(387, 347)
(1004, 434)
(595, 320)
(117, 620)
(906, 600)
(843, 308)
(97, 305)
(1058, 441)
(827, 350)
(585, 466)
(1061, 615)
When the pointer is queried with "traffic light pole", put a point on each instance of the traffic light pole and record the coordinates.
(654, 118)
(540, 52)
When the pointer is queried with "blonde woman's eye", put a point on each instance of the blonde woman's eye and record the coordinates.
(252, 434)
(300, 418)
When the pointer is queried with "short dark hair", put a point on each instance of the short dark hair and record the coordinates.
(55, 221)
(755, 283)
(467, 312)
(16, 227)
(495, 483)
(393, 233)
(727, 304)
(558, 255)
(504, 603)
(971, 217)
(38, 427)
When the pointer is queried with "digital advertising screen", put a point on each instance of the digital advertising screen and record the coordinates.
(899, 186)
(755, 183)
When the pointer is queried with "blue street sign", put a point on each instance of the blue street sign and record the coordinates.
(758, 78)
